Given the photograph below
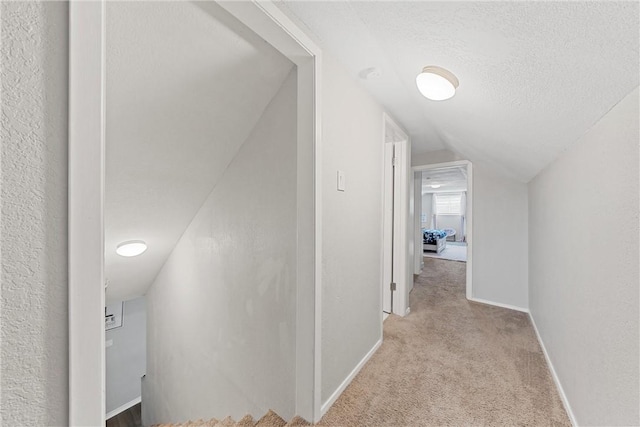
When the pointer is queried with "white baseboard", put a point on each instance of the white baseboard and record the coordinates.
(556, 380)
(124, 407)
(499, 304)
(332, 399)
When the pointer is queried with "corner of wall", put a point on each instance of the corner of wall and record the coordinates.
(554, 375)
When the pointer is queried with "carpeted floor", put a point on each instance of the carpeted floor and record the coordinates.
(452, 363)
(453, 251)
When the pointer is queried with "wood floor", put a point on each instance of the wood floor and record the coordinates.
(132, 417)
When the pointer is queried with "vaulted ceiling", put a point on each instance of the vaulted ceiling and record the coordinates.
(534, 76)
(186, 83)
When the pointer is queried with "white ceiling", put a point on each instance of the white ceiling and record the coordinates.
(186, 84)
(449, 178)
(534, 76)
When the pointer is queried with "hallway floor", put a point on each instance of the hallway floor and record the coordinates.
(452, 362)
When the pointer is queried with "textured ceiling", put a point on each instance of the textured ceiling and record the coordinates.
(534, 76)
(449, 179)
(186, 84)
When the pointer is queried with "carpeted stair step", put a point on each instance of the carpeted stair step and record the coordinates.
(271, 419)
(246, 421)
(297, 421)
(227, 422)
(199, 423)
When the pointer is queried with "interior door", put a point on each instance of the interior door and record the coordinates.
(400, 264)
(418, 262)
(387, 256)
(395, 229)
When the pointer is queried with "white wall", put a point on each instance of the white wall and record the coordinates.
(33, 186)
(500, 240)
(433, 157)
(584, 276)
(427, 210)
(222, 311)
(126, 358)
(352, 225)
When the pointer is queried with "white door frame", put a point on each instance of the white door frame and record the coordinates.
(417, 221)
(392, 132)
(86, 201)
(469, 214)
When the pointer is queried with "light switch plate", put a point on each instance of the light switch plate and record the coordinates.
(108, 343)
(341, 181)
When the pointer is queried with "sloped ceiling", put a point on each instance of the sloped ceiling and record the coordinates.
(534, 76)
(186, 84)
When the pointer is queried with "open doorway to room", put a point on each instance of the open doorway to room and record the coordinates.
(189, 125)
(176, 282)
(443, 214)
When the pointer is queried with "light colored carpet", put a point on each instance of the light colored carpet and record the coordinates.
(454, 252)
(452, 363)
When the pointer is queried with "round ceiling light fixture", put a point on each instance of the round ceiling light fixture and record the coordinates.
(131, 248)
(436, 185)
(436, 83)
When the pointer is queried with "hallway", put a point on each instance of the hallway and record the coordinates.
(452, 362)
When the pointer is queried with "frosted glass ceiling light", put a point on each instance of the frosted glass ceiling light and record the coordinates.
(435, 185)
(131, 248)
(436, 83)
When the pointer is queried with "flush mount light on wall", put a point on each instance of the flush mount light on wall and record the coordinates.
(131, 248)
(436, 83)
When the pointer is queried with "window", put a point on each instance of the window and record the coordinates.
(449, 204)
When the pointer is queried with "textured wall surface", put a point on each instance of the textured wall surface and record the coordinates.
(584, 293)
(352, 221)
(34, 215)
(222, 311)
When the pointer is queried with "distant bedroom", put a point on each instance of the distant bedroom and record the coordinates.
(444, 206)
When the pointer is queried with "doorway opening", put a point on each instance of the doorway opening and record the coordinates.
(97, 227)
(188, 119)
(397, 279)
(443, 215)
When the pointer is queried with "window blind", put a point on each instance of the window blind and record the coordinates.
(449, 204)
